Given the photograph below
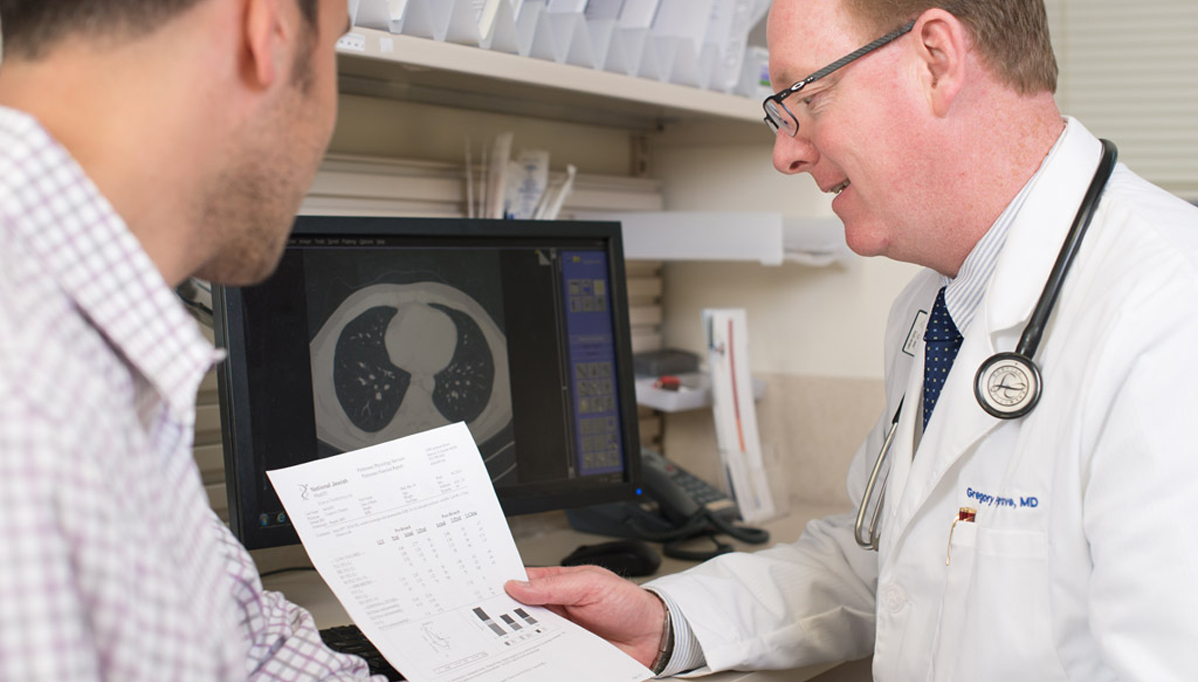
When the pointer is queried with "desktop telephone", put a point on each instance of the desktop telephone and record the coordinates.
(676, 506)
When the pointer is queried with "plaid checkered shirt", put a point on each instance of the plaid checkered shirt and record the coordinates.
(112, 564)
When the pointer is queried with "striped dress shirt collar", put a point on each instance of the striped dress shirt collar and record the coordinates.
(963, 294)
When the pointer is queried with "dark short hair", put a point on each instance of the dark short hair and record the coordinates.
(31, 27)
(1011, 35)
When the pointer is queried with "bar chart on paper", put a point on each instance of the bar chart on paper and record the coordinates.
(459, 638)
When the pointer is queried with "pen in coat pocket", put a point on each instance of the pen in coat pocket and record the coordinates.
(964, 515)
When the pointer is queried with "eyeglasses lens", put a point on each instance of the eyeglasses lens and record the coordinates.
(780, 118)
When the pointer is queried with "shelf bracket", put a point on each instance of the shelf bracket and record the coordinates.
(639, 155)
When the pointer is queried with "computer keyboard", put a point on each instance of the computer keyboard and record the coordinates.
(348, 639)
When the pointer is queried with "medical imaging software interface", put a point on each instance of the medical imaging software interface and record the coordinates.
(356, 341)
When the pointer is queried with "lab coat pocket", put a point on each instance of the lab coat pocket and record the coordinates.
(996, 619)
(946, 643)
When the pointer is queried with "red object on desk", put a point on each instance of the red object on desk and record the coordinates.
(668, 383)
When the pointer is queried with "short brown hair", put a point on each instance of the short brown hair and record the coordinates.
(1012, 35)
(30, 27)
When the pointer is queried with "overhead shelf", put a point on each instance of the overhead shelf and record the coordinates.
(381, 64)
(769, 238)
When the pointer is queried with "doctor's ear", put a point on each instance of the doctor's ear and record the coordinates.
(942, 47)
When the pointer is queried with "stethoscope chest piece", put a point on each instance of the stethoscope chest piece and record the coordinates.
(1007, 385)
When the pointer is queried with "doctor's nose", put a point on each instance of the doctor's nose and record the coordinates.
(794, 154)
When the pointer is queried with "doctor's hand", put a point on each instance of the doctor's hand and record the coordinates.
(600, 601)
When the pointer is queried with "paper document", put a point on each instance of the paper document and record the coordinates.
(411, 539)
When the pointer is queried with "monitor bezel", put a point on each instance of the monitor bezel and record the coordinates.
(234, 389)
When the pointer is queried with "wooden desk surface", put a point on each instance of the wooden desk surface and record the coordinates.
(546, 547)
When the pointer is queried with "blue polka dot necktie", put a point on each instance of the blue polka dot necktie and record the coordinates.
(942, 341)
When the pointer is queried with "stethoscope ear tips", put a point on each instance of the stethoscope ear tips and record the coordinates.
(1007, 385)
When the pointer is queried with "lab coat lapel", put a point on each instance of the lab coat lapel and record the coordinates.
(903, 447)
(1034, 240)
(1032, 244)
(951, 432)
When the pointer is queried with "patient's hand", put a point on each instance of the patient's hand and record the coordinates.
(597, 599)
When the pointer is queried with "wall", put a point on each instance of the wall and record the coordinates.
(1129, 72)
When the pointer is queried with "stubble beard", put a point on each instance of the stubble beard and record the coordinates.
(248, 218)
(248, 211)
(250, 208)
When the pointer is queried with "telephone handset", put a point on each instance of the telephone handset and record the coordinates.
(680, 494)
(677, 507)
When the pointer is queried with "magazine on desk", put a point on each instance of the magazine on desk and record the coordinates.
(410, 537)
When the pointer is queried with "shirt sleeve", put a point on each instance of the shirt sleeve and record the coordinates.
(43, 618)
(802, 603)
(688, 653)
(808, 602)
(284, 643)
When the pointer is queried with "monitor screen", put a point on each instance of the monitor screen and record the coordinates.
(376, 328)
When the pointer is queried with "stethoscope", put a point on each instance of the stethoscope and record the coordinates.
(1007, 385)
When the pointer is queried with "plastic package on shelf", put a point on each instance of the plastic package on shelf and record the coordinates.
(697, 43)
(693, 392)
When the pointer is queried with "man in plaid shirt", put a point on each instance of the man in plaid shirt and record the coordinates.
(141, 142)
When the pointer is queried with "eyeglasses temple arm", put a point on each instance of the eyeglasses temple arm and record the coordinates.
(856, 54)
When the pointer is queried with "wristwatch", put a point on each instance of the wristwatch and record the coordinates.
(665, 648)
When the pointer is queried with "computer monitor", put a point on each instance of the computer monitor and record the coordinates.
(376, 328)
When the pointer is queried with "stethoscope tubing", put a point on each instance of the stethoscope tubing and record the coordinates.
(1029, 341)
(871, 541)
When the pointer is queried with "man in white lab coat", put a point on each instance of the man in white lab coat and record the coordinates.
(1054, 546)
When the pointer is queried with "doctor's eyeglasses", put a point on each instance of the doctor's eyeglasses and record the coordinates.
(779, 117)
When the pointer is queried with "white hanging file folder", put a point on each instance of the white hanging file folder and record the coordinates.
(638, 13)
(384, 15)
(467, 22)
(735, 413)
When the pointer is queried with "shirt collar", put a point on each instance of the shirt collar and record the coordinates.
(81, 242)
(963, 293)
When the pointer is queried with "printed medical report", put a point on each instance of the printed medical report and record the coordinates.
(410, 537)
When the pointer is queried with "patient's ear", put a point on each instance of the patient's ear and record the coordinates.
(270, 41)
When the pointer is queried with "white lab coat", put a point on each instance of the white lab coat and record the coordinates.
(1083, 560)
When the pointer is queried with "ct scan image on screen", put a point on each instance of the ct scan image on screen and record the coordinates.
(402, 341)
